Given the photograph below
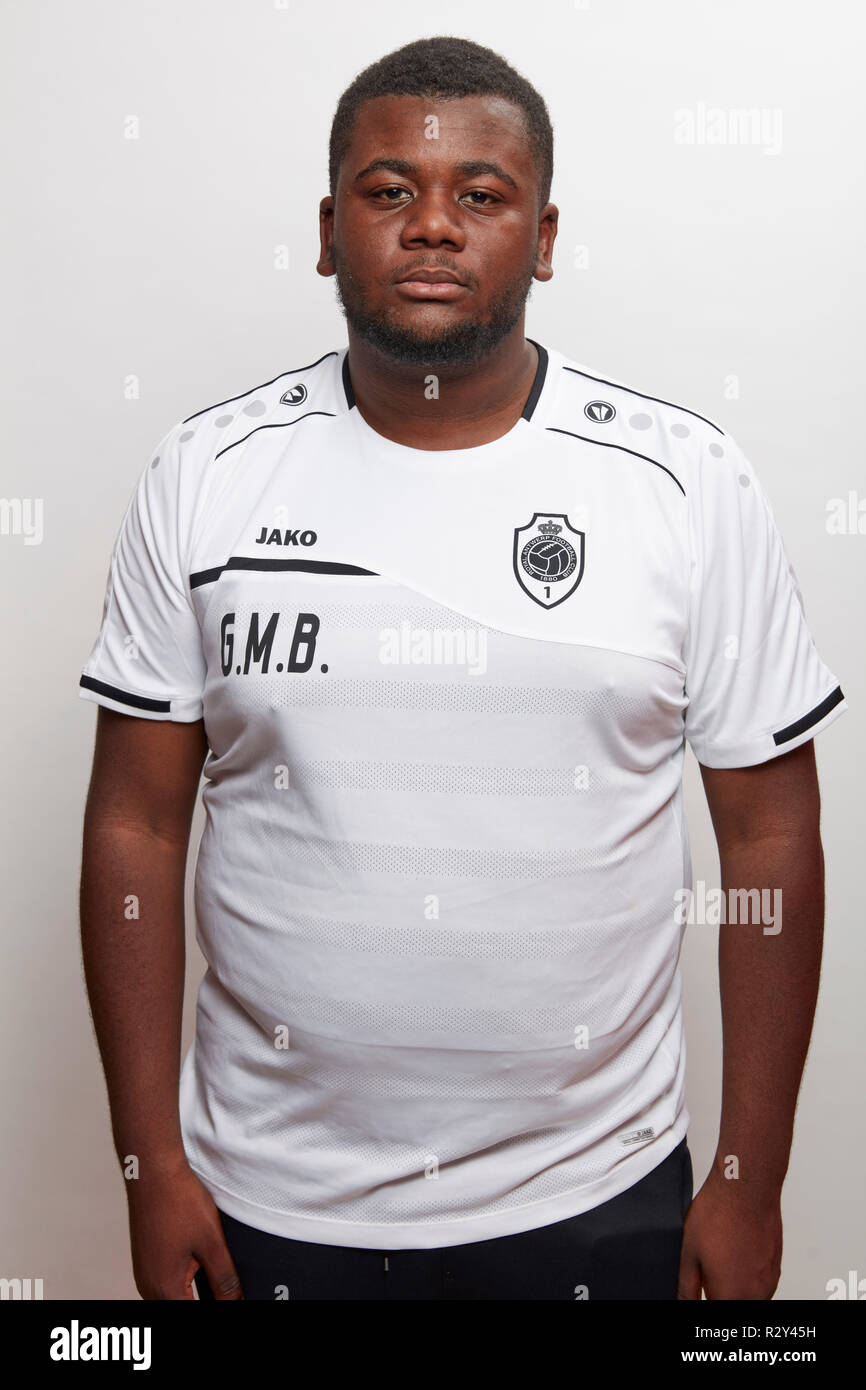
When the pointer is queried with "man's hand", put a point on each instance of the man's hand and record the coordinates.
(732, 1243)
(175, 1230)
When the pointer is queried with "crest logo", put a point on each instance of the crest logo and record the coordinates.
(295, 395)
(548, 558)
(600, 412)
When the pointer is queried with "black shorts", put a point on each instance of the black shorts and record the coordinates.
(629, 1247)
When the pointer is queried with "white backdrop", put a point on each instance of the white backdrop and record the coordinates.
(163, 164)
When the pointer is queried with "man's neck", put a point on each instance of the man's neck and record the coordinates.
(474, 405)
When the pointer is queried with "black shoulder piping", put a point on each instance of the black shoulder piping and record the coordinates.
(293, 371)
(272, 564)
(277, 425)
(801, 725)
(123, 697)
(607, 444)
(531, 400)
(644, 397)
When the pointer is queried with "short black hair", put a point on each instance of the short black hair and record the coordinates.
(444, 67)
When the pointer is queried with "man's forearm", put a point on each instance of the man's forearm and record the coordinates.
(132, 935)
(769, 986)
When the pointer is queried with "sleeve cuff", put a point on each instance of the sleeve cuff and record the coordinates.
(774, 742)
(183, 709)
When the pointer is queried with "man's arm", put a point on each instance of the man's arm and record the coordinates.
(766, 820)
(136, 834)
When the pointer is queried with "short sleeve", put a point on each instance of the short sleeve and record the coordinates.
(755, 684)
(147, 659)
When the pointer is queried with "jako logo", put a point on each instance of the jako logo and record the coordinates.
(295, 395)
(101, 1344)
(277, 537)
(599, 411)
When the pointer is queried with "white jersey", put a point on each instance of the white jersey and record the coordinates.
(437, 887)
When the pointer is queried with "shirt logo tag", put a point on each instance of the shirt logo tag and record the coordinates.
(637, 1136)
(295, 395)
(600, 412)
(548, 564)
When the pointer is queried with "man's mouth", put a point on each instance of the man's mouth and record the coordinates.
(436, 289)
(431, 283)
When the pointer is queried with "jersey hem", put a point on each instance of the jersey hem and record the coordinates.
(462, 1231)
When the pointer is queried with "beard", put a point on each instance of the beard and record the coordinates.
(461, 344)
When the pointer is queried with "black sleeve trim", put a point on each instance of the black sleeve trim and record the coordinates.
(813, 717)
(124, 697)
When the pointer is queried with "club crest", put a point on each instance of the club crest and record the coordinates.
(548, 558)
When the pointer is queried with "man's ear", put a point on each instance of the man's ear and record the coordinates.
(325, 263)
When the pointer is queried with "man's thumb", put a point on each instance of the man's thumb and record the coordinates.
(219, 1268)
(689, 1282)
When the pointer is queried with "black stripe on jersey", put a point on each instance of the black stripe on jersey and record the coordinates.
(123, 696)
(347, 383)
(607, 444)
(277, 425)
(538, 381)
(801, 725)
(293, 371)
(262, 562)
(644, 397)
(531, 400)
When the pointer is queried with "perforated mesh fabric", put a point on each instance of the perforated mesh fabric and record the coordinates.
(435, 886)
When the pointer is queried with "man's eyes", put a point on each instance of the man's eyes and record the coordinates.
(472, 193)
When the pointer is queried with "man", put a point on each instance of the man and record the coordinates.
(440, 611)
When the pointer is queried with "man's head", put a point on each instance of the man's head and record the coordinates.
(441, 158)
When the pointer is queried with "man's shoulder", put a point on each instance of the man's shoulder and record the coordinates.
(601, 398)
(598, 405)
(312, 387)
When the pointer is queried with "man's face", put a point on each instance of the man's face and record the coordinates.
(436, 185)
